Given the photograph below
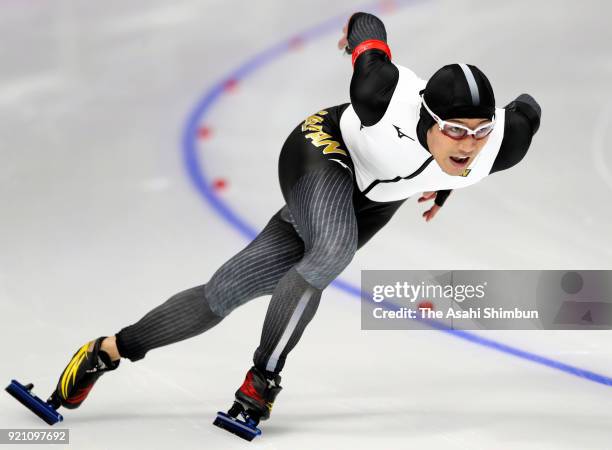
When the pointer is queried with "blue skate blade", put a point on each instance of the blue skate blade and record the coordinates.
(236, 426)
(39, 407)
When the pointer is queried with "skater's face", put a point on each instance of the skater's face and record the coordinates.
(455, 155)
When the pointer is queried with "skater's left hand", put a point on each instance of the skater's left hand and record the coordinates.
(431, 212)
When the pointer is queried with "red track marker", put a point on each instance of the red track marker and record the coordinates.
(296, 43)
(387, 6)
(230, 85)
(219, 184)
(204, 132)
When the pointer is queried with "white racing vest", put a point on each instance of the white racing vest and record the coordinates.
(389, 167)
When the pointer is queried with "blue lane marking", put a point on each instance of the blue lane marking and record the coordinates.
(201, 182)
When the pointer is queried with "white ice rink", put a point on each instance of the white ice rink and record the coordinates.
(101, 220)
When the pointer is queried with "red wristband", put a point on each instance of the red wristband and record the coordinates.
(369, 45)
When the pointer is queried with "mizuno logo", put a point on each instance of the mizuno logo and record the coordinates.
(400, 133)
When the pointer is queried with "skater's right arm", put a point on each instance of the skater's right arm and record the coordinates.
(523, 117)
(374, 76)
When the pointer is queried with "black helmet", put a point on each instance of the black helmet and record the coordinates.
(456, 91)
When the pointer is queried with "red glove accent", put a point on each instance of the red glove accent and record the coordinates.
(369, 45)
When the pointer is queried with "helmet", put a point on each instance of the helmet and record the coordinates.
(456, 91)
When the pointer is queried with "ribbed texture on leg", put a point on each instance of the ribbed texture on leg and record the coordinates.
(256, 269)
(293, 305)
(251, 273)
(321, 210)
(182, 316)
(321, 205)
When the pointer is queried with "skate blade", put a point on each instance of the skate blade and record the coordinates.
(39, 407)
(236, 426)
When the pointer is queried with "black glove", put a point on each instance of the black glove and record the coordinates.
(441, 196)
(527, 106)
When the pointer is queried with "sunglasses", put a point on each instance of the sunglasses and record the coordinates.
(457, 131)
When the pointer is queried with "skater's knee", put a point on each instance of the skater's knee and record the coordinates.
(322, 265)
(339, 252)
(227, 290)
(218, 297)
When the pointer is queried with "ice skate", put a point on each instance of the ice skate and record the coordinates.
(81, 374)
(254, 401)
(74, 384)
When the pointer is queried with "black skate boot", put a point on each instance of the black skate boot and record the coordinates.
(80, 375)
(76, 381)
(254, 401)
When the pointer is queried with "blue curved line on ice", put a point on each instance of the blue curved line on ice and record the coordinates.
(202, 184)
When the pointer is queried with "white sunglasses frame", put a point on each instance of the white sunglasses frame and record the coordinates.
(441, 123)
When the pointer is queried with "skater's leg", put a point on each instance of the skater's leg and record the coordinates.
(322, 211)
(182, 316)
(251, 273)
(292, 307)
(255, 271)
(316, 179)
